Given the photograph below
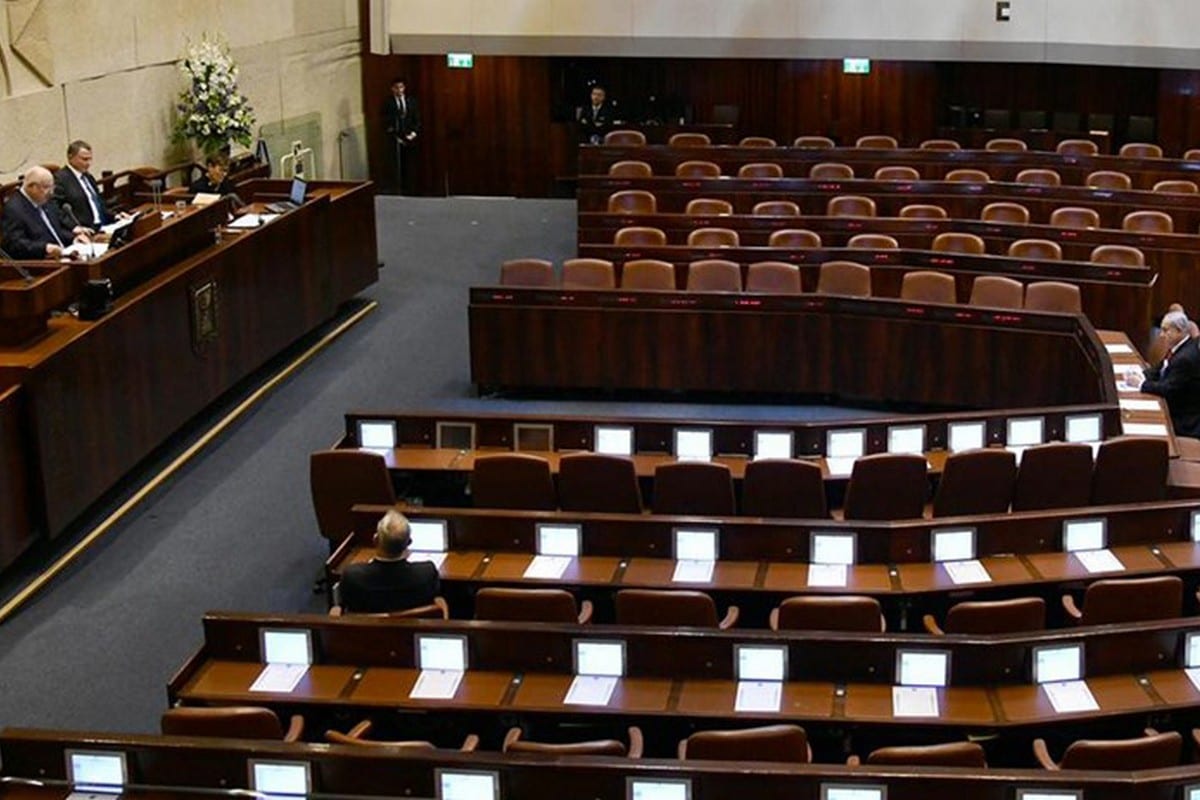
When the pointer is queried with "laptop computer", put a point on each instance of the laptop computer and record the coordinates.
(295, 198)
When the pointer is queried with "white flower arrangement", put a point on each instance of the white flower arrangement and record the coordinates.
(211, 111)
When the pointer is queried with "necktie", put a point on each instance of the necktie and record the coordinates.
(93, 201)
(403, 106)
(52, 229)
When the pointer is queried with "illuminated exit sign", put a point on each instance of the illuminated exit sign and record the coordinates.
(460, 60)
(856, 66)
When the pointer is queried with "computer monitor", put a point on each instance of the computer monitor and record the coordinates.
(1191, 650)
(286, 646)
(536, 437)
(298, 191)
(1049, 794)
(832, 548)
(1194, 524)
(461, 784)
(850, 443)
(851, 791)
(376, 434)
(595, 657)
(1025, 431)
(962, 436)
(100, 771)
(1057, 662)
(695, 544)
(1191, 792)
(1084, 428)
(922, 667)
(1084, 534)
(429, 535)
(559, 540)
(447, 653)
(614, 440)
(953, 544)
(658, 788)
(693, 444)
(773, 444)
(760, 662)
(906, 439)
(455, 435)
(280, 778)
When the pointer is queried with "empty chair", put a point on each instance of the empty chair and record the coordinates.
(341, 479)
(1118, 254)
(708, 207)
(877, 141)
(527, 272)
(926, 286)
(671, 608)
(530, 605)
(1004, 211)
(697, 169)
(630, 169)
(976, 482)
(624, 138)
(776, 208)
(1152, 751)
(757, 141)
(760, 170)
(699, 488)
(1108, 179)
(780, 487)
(1039, 177)
(953, 754)
(598, 482)
(897, 174)
(1075, 217)
(588, 273)
(923, 211)
(713, 237)
(640, 235)
(1192, 155)
(1006, 145)
(872, 241)
(1148, 222)
(1130, 469)
(794, 237)
(940, 144)
(513, 743)
(1039, 249)
(786, 743)
(967, 175)
(996, 291)
(233, 722)
(689, 140)
(814, 142)
(850, 206)
(632, 201)
(830, 171)
(844, 277)
(1053, 475)
(1055, 296)
(1115, 600)
(1140, 150)
(773, 277)
(952, 242)
(987, 617)
(1077, 147)
(648, 274)
(513, 480)
(1176, 187)
(356, 736)
(843, 612)
(886, 486)
(714, 275)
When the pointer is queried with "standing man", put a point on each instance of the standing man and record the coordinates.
(1176, 378)
(389, 582)
(74, 186)
(402, 122)
(596, 119)
(32, 226)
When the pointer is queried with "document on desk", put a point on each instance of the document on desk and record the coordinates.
(1193, 674)
(1127, 388)
(1144, 429)
(85, 250)
(827, 575)
(279, 677)
(549, 567)
(591, 690)
(971, 571)
(113, 227)
(436, 684)
(692, 571)
(1070, 696)
(840, 466)
(251, 220)
(914, 701)
(1099, 560)
(758, 696)
(434, 557)
(1119, 349)
(1134, 404)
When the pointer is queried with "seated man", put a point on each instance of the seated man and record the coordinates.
(216, 177)
(32, 227)
(74, 187)
(388, 582)
(1177, 377)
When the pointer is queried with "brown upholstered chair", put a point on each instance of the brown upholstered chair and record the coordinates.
(1152, 751)
(648, 274)
(829, 613)
(953, 754)
(1192, 155)
(1004, 211)
(966, 175)
(624, 138)
(850, 205)
(1017, 615)
(794, 237)
(598, 482)
(697, 169)
(1053, 296)
(779, 487)
(1115, 600)
(1039, 177)
(1148, 222)
(872, 241)
(356, 736)
(923, 211)
(926, 286)
(814, 142)
(1118, 254)
(844, 277)
(689, 140)
(340, 479)
(776, 208)
(713, 237)
(670, 608)
(976, 482)
(897, 173)
(1077, 147)
(500, 604)
(877, 141)
(513, 743)
(1006, 145)
(527, 272)
(1075, 217)
(757, 141)
(953, 242)
(1176, 187)
(1140, 150)
(588, 273)
(232, 722)
(785, 743)
(513, 480)
(1040, 249)
(773, 277)
(996, 291)
(886, 486)
(640, 235)
(1108, 179)
(630, 169)
(708, 207)
(632, 201)
(940, 144)
(1053, 475)
(714, 275)
(693, 487)
(830, 171)
(1130, 469)
(760, 170)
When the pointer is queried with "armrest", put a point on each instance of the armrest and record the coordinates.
(295, 729)
(585, 612)
(731, 618)
(335, 611)
(512, 737)
(1043, 755)
(1150, 732)
(441, 603)
(931, 625)
(358, 731)
(470, 744)
(636, 743)
(1072, 610)
(681, 752)
(853, 761)
(774, 619)
(1196, 737)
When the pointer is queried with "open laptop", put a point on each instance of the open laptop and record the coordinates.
(295, 198)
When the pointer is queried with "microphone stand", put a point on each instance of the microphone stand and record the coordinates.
(24, 273)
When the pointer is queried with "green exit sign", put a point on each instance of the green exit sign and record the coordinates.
(460, 60)
(856, 66)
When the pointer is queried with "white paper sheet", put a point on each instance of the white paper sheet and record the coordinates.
(590, 690)
(437, 559)
(551, 567)
(758, 696)
(1134, 404)
(279, 677)
(914, 701)
(1118, 349)
(1193, 674)
(252, 220)
(1099, 560)
(840, 466)
(827, 575)
(971, 571)
(687, 571)
(436, 684)
(1144, 429)
(1126, 388)
(86, 250)
(113, 227)
(1070, 696)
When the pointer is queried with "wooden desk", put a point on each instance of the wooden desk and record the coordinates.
(25, 305)
(16, 512)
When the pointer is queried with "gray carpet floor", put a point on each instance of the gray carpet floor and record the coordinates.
(235, 529)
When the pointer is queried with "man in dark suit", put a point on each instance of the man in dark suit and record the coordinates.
(75, 187)
(402, 121)
(596, 119)
(389, 582)
(1177, 377)
(32, 227)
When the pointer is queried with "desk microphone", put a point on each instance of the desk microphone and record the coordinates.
(24, 273)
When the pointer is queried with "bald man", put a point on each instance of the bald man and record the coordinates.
(32, 226)
(389, 581)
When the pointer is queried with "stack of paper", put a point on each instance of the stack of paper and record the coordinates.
(840, 466)
(436, 684)
(688, 571)
(279, 677)
(1119, 349)
(758, 696)
(827, 575)
(1099, 560)
(1143, 429)
(590, 690)
(971, 571)
(549, 567)
(1070, 696)
(436, 558)
(914, 701)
